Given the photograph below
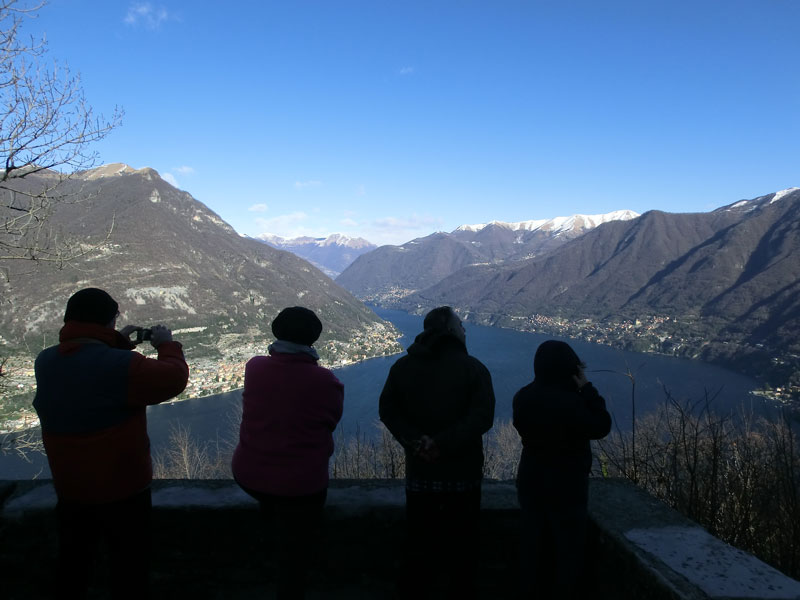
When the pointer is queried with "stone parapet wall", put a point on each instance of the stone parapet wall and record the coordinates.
(644, 549)
(208, 544)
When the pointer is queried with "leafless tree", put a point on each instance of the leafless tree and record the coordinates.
(24, 444)
(47, 129)
(186, 457)
(502, 448)
(736, 475)
(365, 456)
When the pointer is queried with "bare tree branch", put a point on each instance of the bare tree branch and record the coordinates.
(46, 128)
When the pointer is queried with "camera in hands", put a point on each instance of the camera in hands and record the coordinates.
(143, 334)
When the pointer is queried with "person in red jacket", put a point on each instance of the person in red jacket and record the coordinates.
(290, 408)
(91, 396)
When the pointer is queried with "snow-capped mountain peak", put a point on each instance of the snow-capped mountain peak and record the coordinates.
(557, 224)
(336, 239)
(331, 254)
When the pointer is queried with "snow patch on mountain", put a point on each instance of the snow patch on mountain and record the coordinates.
(761, 201)
(335, 239)
(556, 225)
(782, 193)
(115, 170)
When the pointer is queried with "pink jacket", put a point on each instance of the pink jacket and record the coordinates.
(290, 407)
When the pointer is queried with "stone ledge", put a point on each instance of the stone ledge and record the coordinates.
(662, 554)
(639, 547)
(345, 496)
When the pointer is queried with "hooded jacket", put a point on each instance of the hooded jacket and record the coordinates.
(556, 423)
(91, 395)
(438, 390)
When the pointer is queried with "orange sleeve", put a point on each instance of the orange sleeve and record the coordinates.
(154, 380)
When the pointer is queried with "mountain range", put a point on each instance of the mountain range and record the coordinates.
(396, 271)
(331, 255)
(167, 258)
(723, 286)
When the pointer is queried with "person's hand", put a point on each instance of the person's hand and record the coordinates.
(160, 335)
(427, 449)
(128, 330)
(580, 379)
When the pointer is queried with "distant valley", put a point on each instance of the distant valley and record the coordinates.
(721, 286)
(331, 255)
(392, 272)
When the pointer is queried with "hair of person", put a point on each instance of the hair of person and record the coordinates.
(91, 305)
(556, 362)
(438, 319)
(297, 324)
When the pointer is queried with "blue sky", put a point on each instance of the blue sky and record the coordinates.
(390, 120)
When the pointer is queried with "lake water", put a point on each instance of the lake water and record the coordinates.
(509, 357)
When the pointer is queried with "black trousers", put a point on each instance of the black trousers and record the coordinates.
(297, 523)
(123, 527)
(553, 537)
(442, 544)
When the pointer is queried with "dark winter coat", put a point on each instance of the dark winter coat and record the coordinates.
(91, 396)
(556, 423)
(438, 390)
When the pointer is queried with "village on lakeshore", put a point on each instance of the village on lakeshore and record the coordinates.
(210, 376)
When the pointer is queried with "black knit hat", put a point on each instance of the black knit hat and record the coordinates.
(555, 361)
(91, 305)
(297, 324)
